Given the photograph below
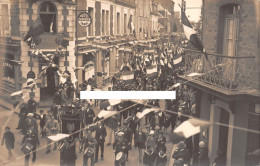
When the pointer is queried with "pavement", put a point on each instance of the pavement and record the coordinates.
(11, 119)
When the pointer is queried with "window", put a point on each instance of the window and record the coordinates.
(4, 18)
(107, 22)
(103, 22)
(48, 14)
(118, 23)
(125, 23)
(131, 22)
(90, 28)
(231, 21)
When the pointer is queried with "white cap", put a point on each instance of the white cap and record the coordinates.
(30, 114)
(151, 132)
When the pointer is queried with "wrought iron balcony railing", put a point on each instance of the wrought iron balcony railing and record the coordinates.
(230, 73)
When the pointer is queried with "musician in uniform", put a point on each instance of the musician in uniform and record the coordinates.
(161, 158)
(52, 127)
(160, 141)
(68, 155)
(89, 144)
(149, 157)
(29, 143)
(120, 148)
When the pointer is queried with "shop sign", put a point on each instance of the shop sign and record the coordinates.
(84, 19)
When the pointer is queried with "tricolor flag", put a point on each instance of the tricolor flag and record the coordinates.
(190, 33)
(127, 76)
(34, 30)
(191, 127)
(151, 71)
(109, 103)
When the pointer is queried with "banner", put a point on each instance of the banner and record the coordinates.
(70, 124)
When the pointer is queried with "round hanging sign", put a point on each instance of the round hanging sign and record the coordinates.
(84, 19)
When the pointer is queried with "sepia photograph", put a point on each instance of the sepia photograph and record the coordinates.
(130, 82)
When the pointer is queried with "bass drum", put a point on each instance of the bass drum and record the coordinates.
(121, 157)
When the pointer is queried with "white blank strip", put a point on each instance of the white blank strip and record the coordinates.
(127, 95)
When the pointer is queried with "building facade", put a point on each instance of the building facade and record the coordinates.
(228, 92)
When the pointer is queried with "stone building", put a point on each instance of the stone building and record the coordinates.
(228, 91)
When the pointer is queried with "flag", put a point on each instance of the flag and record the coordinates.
(108, 103)
(146, 111)
(58, 137)
(190, 33)
(194, 74)
(34, 30)
(17, 93)
(191, 127)
(177, 59)
(127, 76)
(151, 71)
(106, 114)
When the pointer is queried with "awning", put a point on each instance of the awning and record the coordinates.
(87, 51)
(148, 51)
(125, 49)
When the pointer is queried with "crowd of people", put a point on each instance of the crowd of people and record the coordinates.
(125, 127)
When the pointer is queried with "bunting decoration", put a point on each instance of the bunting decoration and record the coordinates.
(191, 127)
(151, 71)
(127, 76)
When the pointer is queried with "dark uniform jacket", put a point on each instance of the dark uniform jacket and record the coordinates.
(101, 133)
(8, 139)
(89, 115)
(149, 158)
(183, 153)
(203, 157)
(31, 106)
(120, 144)
(140, 139)
(161, 160)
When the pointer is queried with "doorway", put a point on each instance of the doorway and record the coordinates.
(223, 132)
(49, 82)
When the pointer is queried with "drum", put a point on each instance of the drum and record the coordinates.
(89, 151)
(27, 148)
(121, 157)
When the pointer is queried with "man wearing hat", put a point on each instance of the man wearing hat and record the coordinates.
(140, 139)
(150, 142)
(31, 105)
(89, 115)
(120, 148)
(89, 144)
(100, 136)
(182, 153)
(203, 154)
(29, 143)
(30, 121)
(52, 127)
(160, 142)
(8, 139)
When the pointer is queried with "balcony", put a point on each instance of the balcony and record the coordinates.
(228, 73)
(128, 3)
